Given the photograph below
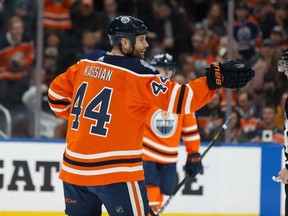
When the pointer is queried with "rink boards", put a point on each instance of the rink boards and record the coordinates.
(236, 180)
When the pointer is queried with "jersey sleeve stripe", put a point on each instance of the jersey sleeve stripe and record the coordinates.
(181, 97)
(158, 157)
(159, 152)
(191, 138)
(57, 102)
(188, 100)
(158, 146)
(57, 96)
(189, 133)
(60, 110)
(191, 128)
(173, 97)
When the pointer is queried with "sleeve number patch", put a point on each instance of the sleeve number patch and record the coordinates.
(159, 87)
(96, 110)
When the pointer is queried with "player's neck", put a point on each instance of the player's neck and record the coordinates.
(116, 52)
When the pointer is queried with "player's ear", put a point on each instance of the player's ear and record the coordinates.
(125, 42)
(170, 74)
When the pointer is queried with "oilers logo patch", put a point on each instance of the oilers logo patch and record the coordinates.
(163, 124)
(125, 19)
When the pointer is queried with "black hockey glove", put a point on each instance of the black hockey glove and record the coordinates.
(230, 74)
(193, 164)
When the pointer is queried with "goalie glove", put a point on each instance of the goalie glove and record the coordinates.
(230, 74)
(193, 164)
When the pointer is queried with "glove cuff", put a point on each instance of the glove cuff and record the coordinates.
(214, 77)
(193, 158)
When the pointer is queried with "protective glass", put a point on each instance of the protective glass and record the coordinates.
(282, 65)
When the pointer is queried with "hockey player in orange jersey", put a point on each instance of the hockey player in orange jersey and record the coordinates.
(162, 136)
(106, 97)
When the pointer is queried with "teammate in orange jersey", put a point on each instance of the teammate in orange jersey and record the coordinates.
(161, 140)
(106, 97)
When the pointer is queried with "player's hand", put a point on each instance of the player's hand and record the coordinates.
(193, 164)
(283, 174)
(230, 74)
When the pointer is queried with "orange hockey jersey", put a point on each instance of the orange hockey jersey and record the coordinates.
(106, 100)
(163, 133)
(57, 14)
(24, 51)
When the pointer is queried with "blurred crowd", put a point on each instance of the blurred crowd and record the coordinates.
(195, 34)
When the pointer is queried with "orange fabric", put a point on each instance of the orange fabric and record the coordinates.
(163, 133)
(155, 197)
(25, 49)
(136, 199)
(102, 136)
(249, 124)
(57, 15)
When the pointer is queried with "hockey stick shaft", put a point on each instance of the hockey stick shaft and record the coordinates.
(213, 141)
(152, 213)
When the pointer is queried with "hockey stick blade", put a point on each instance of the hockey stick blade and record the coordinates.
(214, 139)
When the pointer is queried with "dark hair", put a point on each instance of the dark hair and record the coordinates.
(238, 123)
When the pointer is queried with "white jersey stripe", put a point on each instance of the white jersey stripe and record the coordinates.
(191, 128)
(102, 171)
(159, 146)
(161, 158)
(191, 138)
(55, 95)
(154, 203)
(59, 110)
(173, 97)
(189, 100)
(131, 195)
(139, 195)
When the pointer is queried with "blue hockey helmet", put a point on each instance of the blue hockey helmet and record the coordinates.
(126, 27)
(164, 60)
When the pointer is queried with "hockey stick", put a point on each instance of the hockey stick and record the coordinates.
(152, 213)
(214, 139)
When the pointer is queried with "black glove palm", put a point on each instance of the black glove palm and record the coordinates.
(230, 74)
(193, 164)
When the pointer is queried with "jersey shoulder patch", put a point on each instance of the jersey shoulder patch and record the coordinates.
(145, 64)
